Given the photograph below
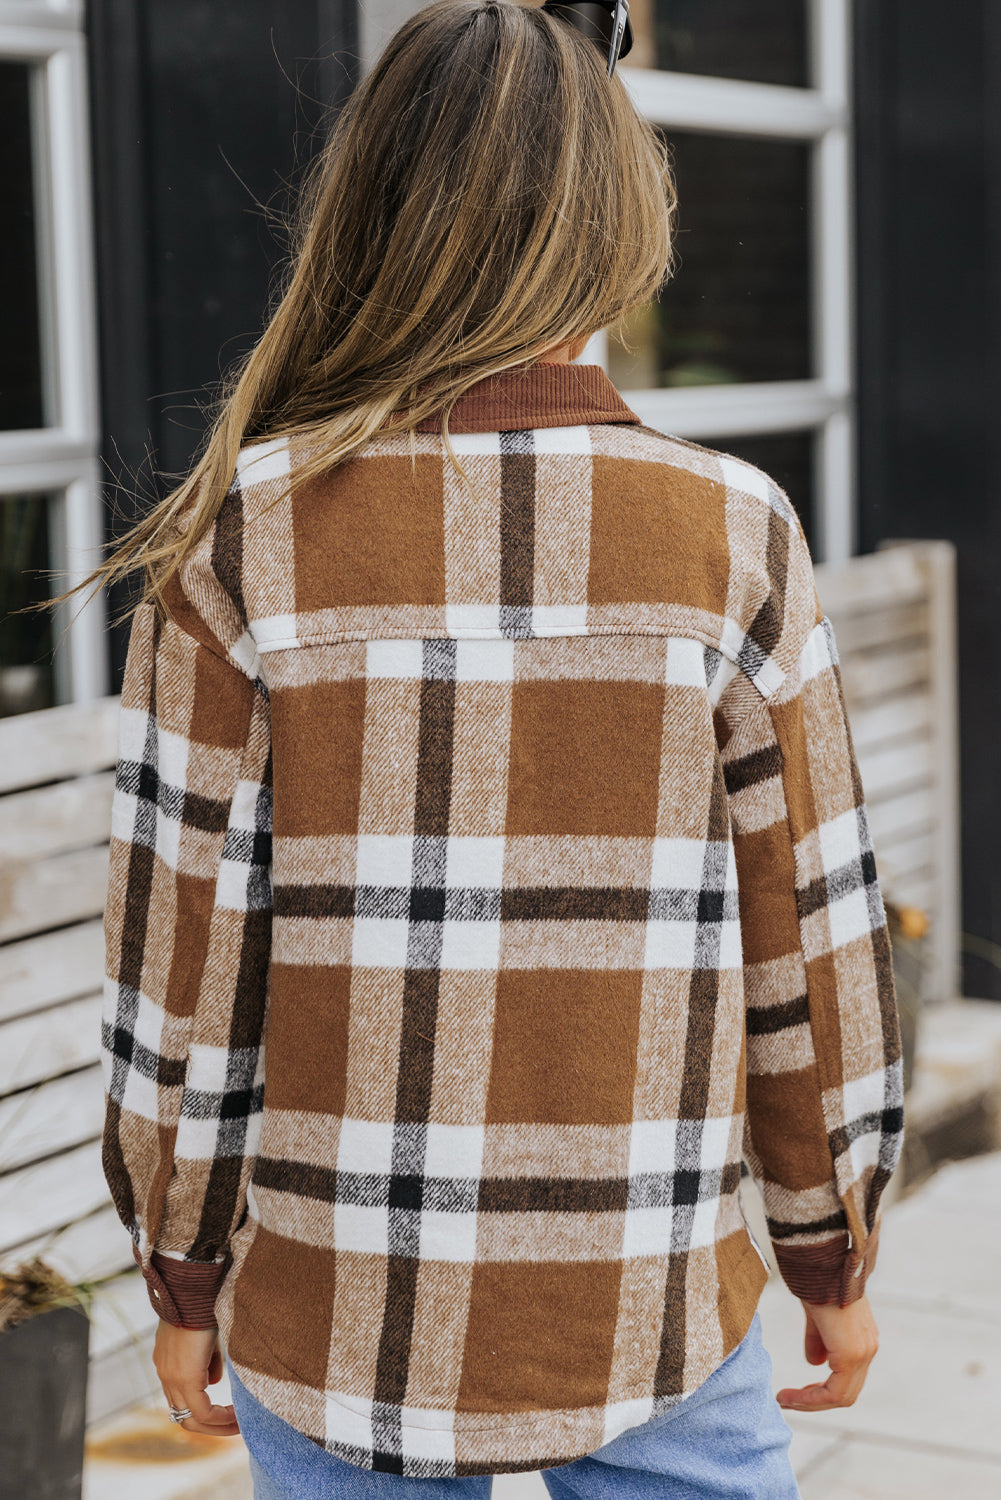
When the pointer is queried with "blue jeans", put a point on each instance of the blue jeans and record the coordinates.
(728, 1440)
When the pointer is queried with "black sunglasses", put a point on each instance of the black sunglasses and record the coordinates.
(604, 22)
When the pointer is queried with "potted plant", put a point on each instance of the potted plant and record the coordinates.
(908, 930)
(44, 1347)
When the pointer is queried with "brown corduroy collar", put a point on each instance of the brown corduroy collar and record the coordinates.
(536, 396)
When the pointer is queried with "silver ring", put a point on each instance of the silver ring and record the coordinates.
(179, 1413)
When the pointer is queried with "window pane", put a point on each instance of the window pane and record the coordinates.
(763, 41)
(26, 680)
(787, 457)
(738, 306)
(20, 351)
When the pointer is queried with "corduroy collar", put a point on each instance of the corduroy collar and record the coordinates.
(536, 396)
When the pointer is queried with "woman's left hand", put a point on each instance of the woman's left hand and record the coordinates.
(188, 1360)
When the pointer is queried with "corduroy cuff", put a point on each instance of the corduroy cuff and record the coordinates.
(183, 1292)
(829, 1273)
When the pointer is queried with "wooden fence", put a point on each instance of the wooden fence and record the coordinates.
(56, 783)
(894, 615)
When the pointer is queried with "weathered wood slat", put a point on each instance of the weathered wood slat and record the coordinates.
(896, 858)
(889, 672)
(49, 1043)
(122, 1330)
(893, 577)
(53, 819)
(893, 718)
(89, 1249)
(862, 630)
(896, 767)
(120, 1378)
(122, 1312)
(51, 1117)
(876, 603)
(53, 892)
(918, 888)
(51, 1193)
(892, 816)
(41, 971)
(55, 743)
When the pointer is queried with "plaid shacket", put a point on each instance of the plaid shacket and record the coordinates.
(490, 875)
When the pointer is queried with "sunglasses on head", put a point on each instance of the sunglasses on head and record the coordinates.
(604, 22)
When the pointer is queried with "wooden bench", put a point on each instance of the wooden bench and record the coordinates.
(893, 616)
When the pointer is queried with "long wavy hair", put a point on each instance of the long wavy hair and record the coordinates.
(486, 195)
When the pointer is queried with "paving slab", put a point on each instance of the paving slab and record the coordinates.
(808, 1449)
(958, 1055)
(975, 1180)
(943, 1254)
(862, 1470)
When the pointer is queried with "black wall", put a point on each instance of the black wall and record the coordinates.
(929, 276)
(201, 114)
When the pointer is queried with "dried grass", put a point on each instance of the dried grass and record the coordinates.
(34, 1287)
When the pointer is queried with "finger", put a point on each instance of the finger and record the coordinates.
(203, 1410)
(207, 1418)
(221, 1428)
(814, 1346)
(840, 1389)
(227, 1429)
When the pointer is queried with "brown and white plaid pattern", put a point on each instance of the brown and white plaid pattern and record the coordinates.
(520, 818)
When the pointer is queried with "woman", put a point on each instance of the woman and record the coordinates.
(482, 753)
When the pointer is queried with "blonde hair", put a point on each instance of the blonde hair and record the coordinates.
(486, 195)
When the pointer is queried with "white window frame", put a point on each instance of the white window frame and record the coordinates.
(824, 405)
(62, 458)
(819, 116)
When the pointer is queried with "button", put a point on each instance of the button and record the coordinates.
(155, 1292)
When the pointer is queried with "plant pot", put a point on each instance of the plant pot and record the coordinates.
(43, 1391)
(909, 974)
(908, 927)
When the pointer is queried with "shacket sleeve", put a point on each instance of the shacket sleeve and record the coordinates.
(824, 1118)
(187, 930)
